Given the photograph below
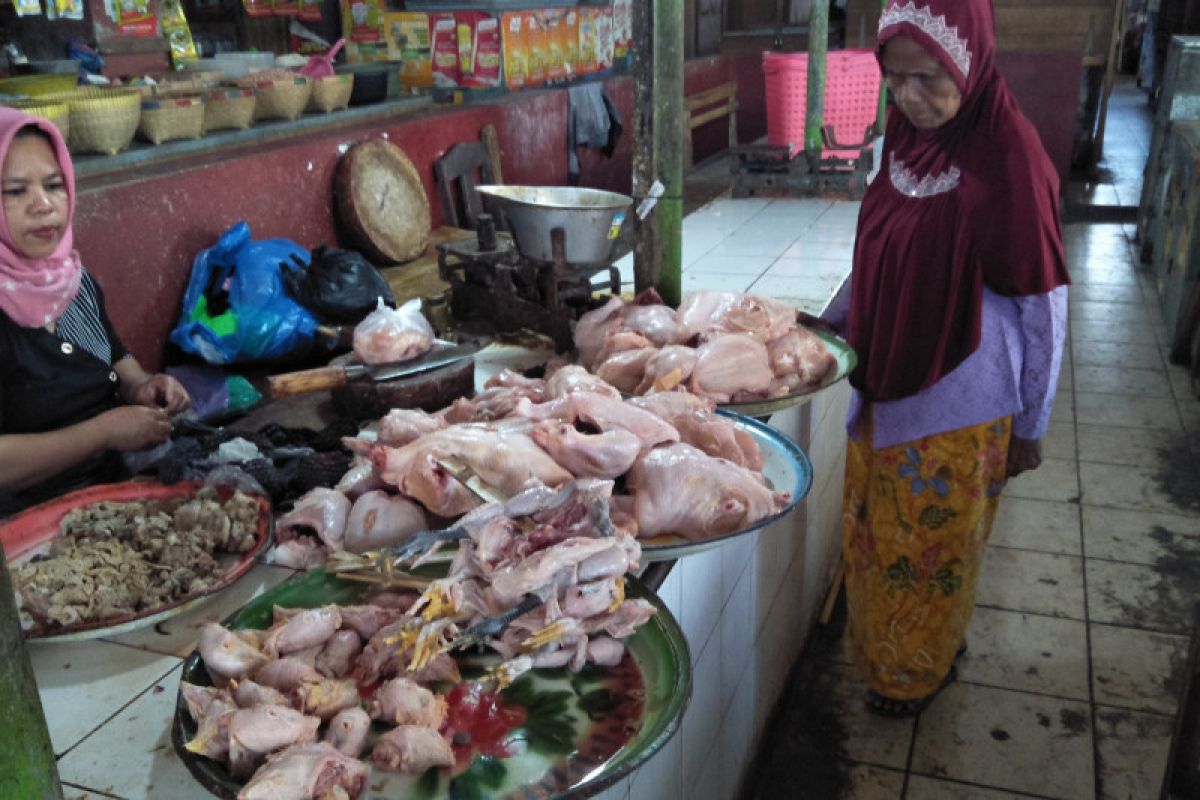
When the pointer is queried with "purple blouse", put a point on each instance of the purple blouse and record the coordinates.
(1014, 371)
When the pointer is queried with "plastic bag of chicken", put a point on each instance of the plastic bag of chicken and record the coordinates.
(388, 335)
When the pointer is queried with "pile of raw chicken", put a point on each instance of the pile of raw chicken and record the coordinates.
(684, 469)
(539, 578)
(726, 346)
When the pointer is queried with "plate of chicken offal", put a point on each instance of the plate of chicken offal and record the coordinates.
(744, 352)
(533, 666)
(113, 558)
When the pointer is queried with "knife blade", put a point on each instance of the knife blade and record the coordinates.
(314, 380)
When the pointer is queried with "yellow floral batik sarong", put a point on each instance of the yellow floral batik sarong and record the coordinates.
(915, 522)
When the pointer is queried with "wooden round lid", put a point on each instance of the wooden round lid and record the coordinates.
(382, 203)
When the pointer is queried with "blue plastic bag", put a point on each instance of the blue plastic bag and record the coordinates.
(236, 306)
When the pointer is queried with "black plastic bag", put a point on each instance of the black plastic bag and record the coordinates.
(339, 286)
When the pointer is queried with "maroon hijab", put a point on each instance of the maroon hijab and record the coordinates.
(970, 204)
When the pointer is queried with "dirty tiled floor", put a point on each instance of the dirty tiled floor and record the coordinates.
(1079, 641)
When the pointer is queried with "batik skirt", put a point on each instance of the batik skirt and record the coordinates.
(916, 519)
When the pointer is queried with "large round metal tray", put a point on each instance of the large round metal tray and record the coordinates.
(31, 532)
(786, 468)
(658, 650)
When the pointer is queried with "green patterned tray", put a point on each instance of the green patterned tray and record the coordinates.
(573, 719)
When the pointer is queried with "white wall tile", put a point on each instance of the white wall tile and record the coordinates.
(700, 579)
(742, 738)
(737, 639)
(703, 715)
(735, 557)
(707, 785)
(618, 791)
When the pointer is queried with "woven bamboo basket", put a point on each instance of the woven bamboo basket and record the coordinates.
(331, 93)
(227, 108)
(172, 117)
(57, 112)
(102, 120)
(279, 98)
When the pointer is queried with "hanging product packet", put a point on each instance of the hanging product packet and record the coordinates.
(408, 42)
(535, 44)
(485, 66)
(604, 39)
(64, 9)
(516, 53)
(554, 55)
(134, 18)
(570, 42)
(622, 27)
(588, 43)
(286, 8)
(176, 31)
(444, 46)
(27, 8)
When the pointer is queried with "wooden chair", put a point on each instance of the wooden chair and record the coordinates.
(707, 106)
(465, 166)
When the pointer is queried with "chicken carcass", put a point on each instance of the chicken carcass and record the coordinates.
(679, 489)
(256, 731)
(625, 369)
(594, 327)
(608, 454)
(667, 369)
(348, 731)
(574, 378)
(655, 322)
(324, 699)
(247, 693)
(719, 437)
(301, 630)
(401, 701)
(337, 657)
(802, 354)
(309, 771)
(731, 364)
(706, 313)
(285, 674)
(379, 520)
(412, 749)
(403, 425)
(227, 655)
(320, 513)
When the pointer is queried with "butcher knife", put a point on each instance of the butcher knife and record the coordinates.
(331, 377)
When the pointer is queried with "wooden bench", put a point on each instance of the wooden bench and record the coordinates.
(707, 106)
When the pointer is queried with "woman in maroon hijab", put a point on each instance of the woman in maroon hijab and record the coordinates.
(957, 309)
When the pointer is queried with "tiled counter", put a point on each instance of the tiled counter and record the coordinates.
(746, 608)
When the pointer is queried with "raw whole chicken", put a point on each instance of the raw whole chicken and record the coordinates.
(679, 489)
(608, 454)
(309, 771)
(226, 655)
(534, 388)
(320, 512)
(656, 322)
(402, 425)
(573, 378)
(412, 749)
(627, 368)
(799, 352)
(731, 364)
(254, 732)
(325, 698)
(392, 334)
(285, 674)
(594, 327)
(379, 520)
(401, 701)
(706, 313)
(247, 693)
(718, 437)
(301, 630)
(337, 657)
(348, 731)
(666, 369)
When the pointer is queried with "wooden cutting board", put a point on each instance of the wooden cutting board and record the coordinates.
(382, 203)
(431, 391)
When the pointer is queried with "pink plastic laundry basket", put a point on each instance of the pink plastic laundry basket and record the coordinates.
(851, 97)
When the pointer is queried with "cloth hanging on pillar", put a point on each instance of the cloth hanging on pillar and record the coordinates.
(592, 121)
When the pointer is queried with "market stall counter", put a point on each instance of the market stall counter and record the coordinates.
(744, 608)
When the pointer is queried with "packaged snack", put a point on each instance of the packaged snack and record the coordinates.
(27, 8)
(444, 47)
(622, 27)
(604, 40)
(535, 43)
(570, 42)
(552, 18)
(135, 19)
(588, 43)
(362, 21)
(64, 9)
(485, 66)
(176, 31)
(516, 53)
(408, 42)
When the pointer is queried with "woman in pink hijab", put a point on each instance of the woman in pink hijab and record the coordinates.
(71, 396)
(957, 310)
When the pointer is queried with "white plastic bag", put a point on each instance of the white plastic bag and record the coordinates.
(392, 334)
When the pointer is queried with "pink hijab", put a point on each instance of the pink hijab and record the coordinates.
(34, 292)
(970, 204)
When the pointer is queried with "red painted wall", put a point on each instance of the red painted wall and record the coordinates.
(138, 233)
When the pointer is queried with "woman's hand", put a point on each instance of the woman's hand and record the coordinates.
(1023, 455)
(130, 428)
(161, 391)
